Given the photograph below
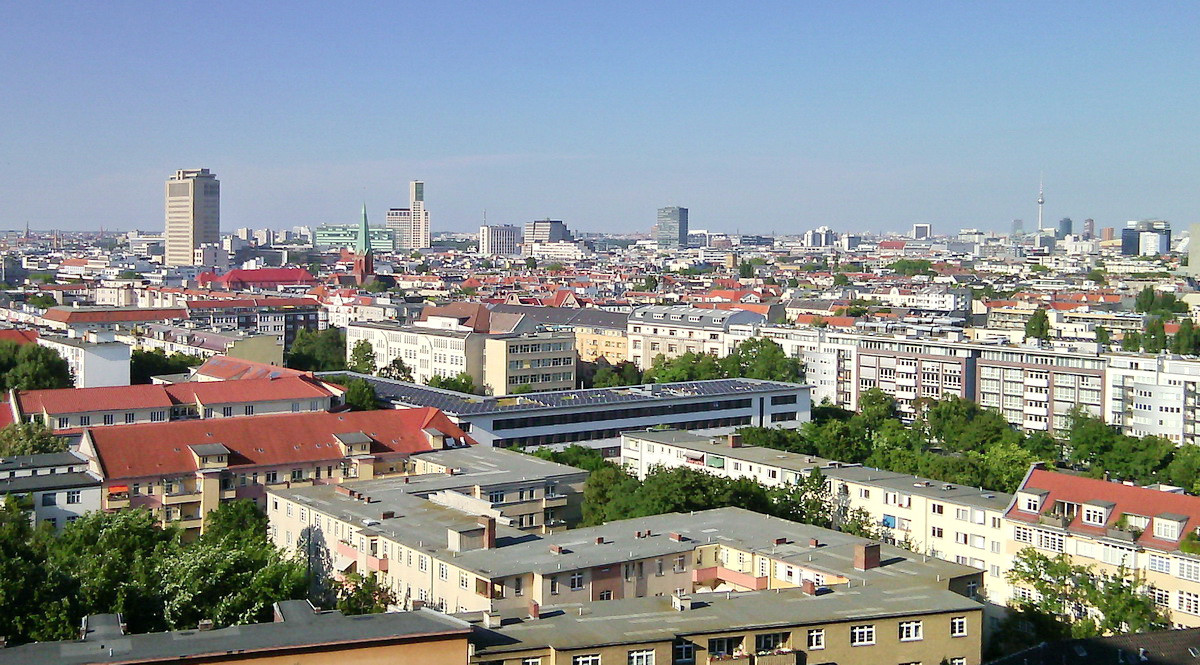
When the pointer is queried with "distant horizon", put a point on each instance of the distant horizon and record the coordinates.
(869, 116)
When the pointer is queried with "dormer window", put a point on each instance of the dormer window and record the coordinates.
(1168, 526)
(1093, 515)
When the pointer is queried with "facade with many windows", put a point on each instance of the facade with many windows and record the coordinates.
(1153, 396)
(669, 331)
(1036, 389)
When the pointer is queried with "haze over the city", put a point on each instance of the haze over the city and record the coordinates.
(757, 118)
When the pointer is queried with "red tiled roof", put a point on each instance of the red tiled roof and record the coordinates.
(260, 276)
(161, 449)
(19, 336)
(224, 367)
(892, 244)
(75, 315)
(114, 398)
(478, 316)
(1128, 499)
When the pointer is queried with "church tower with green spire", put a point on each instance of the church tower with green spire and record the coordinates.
(363, 244)
(364, 263)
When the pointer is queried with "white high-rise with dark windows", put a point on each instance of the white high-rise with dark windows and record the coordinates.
(499, 240)
(411, 225)
(193, 207)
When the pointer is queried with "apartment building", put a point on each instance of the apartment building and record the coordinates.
(205, 342)
(913, 369)
(943, 520)
(182, 470)
(1153, 396)
(543, 360)
(671, 331)
(829, 357)
(1036, 388)
(299, 635)
(95, 358)
(596, 417)
(457, 561)
(55, 488)
(875, 624)
(71, 409)
(1151, 531)
(595, 342)
(281, 316)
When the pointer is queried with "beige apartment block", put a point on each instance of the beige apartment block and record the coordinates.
(542, 361)
(672, 331)
(1151, 531)
(596, 342)
(893, 623)
(193, 214)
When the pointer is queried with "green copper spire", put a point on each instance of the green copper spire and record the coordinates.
(363, 245)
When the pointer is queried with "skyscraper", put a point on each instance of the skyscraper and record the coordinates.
(1018, 227)
(502, 240)
(922, 231)
(672, 229)
(1089, 228)
(411, 225)
(546, 230)
(1065, 228)
(193, 214)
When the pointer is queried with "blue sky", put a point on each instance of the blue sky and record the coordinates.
(757, 116)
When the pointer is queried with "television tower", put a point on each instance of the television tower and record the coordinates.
(1041, 200)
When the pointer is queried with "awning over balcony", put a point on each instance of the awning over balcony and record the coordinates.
(117, 489)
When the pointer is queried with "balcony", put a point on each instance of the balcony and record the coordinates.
(782, 657)
(347, 550)
(750, 582)
(117, 501)
(182, 496)
(554, 500)
(1038, 383)
(377, 563)
(731, 658)
(1036, 411)
(229, 494)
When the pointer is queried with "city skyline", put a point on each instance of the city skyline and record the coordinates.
(857, 118)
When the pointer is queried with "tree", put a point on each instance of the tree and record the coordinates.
(318, 351)
(397, 369)
(363, 594)
(38, 368)
(531, 263)
(1038, 326)
(1185, 340)
(144, 365)
(226, 585)
(239, 523)
(29, 438)
(362, 358)
(841, 279)
(807, 501)
(1154, 340)
(1131, 341)
(746, 270)
(41, 300)
(130, 274)
(1103, 338)
(461, 382)
(858, 522)
(1097, 276)
(522, 389)
(360, 395)
(912, 267)
(555, 267)
(762, 358)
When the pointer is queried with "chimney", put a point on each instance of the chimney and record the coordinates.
(677, 537)
(417, 604)
(490, 620)
(599, 540)
(535, 611)
(387, 515)
(205, 624)
(489, 531)
(342, 489)
(866, 556)
(3, 641)
(735, 440)
(780, 541)
(556, 549)
(813, 542)
(809, 587)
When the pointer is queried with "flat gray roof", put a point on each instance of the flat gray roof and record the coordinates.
(41, 461)
(720, 446)
(934, 489)
(48, 481)
(652, 619)
(300, 628)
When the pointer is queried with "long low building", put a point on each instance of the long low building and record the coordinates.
(581, 416)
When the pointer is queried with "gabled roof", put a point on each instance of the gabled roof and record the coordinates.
(80, 315)
(158, 449)
(19, 336)
(117, 398)
(225, 367)
(476, 316)
(1127, 499)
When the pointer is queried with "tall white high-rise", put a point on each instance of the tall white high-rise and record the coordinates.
(501, 240)
(193, 202)
(411, 224)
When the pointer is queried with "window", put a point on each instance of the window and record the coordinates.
(723, 646)
(586, 659)
(769, 641)
(422, 563)
(227, 411)
(63, 423)
(464, 582)
(1160, 564)
(910, 631)
(50, 499)
(158, 416)
(84, 421)
(1049, 541)
(496, 496)
(864, 493)
(1188, 569)
(936, 532)
(272, 477)
(1093, 515)
(816, 639)
(959, 660)
(73, 496)
(1188, 603)
(1161, 597)
(958, 626)
(297, 474)
(129, 418)
(641, 657)
(606, 594)
(684, 651)
(553, 585)
(1022, 534)
(533, 660)
(443, 571)
(1166, 529)
(576, 581)
(110, 419)
(937, 508)
(518, 586)
(249, 409)
(1031, 504)
(861, 636)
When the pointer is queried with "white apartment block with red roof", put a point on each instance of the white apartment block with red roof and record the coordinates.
(74, 408)
(1151, 531)
(182, 470)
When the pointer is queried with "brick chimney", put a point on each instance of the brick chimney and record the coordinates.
(535, 611)
(866, 556)
(735, 440)
(677, 537)
(489, 531)
(813, 542)
(809, 587)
